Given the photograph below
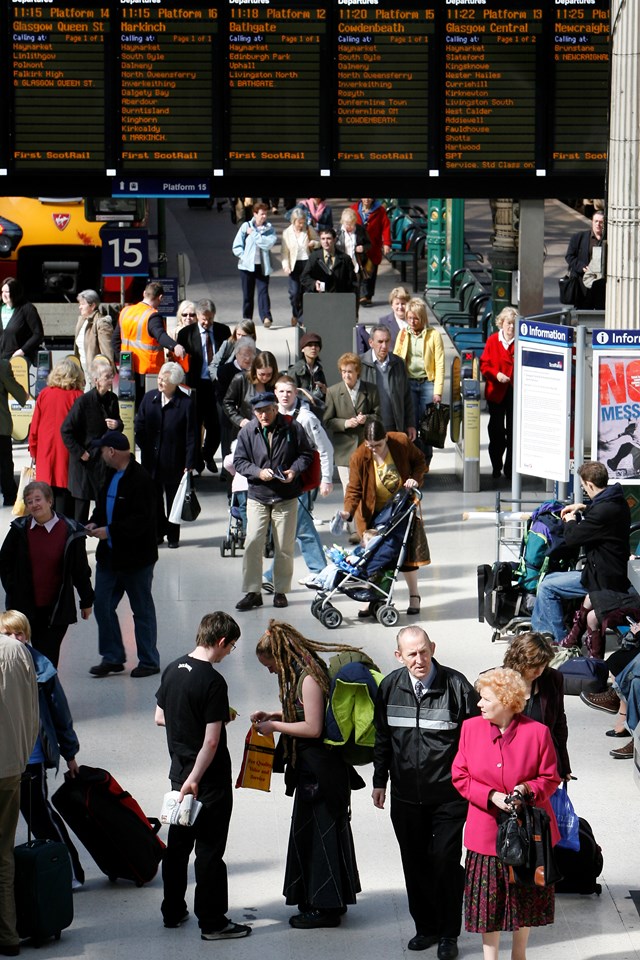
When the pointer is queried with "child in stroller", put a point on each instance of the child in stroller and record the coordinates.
(330, 576)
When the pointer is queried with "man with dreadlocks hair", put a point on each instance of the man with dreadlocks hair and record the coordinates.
(321, 875)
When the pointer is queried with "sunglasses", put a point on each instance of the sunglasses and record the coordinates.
(187, 314)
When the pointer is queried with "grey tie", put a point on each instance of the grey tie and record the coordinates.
(419, 689)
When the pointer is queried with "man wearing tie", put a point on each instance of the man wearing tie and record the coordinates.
(419, 711)
(328, 270)
(201, 341)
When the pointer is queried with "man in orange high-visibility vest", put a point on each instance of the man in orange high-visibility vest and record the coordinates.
(140, 330)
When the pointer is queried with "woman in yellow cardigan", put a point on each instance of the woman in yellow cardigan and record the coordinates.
(420, 346)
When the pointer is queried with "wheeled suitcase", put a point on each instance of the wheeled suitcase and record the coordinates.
(44, 901)
(111, 825)
(581, 868)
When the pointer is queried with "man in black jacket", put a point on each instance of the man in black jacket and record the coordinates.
(328, 270)
(124, 521)
(419, 711)
(202, 340)
(271, 453)
(389, 374)
(602, 529)
(578, 256)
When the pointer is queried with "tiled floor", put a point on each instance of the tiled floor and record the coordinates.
(114, 718)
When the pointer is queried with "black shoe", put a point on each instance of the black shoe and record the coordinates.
(314, 919)
(104, 669)
(617, 733)
(172, 924)
(422, 942)
(249, 601)
(447, 948)
(141, 671)
(367, 612)
(212, 466)
(279, 600)
(10, 951)
(173, 544)
(232, 931)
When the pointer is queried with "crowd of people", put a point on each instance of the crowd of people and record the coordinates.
(450, 754)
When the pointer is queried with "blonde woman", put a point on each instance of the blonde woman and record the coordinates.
(297, 241)
(420, 346)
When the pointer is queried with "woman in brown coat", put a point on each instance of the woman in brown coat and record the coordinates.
(382, 464)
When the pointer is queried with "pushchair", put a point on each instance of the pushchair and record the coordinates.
(372, 577)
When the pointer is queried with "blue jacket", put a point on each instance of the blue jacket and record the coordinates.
(57, 735)
(245, 243)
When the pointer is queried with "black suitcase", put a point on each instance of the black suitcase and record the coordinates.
(44, 901)
(500, 599)
(111, 825)
(581, 868)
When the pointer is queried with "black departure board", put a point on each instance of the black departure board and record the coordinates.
(277, 80)
(580, 52)
(491, 54)
(58, 67)
(166, 85)
(382, 60)
(320, 93)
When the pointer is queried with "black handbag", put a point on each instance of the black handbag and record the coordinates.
(434, 423)
(512, 841)
(191, 507)
(570, 289)
(541, 869)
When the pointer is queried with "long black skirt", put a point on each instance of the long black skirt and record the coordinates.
(321, 869)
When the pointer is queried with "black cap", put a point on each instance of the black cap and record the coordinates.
(112, 438)
(266, 399)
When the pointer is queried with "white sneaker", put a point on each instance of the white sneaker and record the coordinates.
(309, 581)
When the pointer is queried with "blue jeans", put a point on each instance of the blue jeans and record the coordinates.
(111, 586)
(307, 539)
(627, 684)
(422, 395)
(548, 616)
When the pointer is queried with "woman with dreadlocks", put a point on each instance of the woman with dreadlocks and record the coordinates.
(321, 875)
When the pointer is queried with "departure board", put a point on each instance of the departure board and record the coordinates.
(309, 92)
(491, 54)
(277, 80)
(581, 57)
(58, 67)
(167, 95)
(382, 62)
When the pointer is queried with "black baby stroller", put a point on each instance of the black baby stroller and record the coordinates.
(372, 577)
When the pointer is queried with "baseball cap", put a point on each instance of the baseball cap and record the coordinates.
(112, 438)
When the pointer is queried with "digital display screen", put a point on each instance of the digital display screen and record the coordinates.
(58, 74)
(277, 79)
(491, 54)
(581, 58)
(166, 95)
(308, 89)
(382, 111)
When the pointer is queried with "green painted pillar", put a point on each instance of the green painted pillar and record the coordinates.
(437, 245)
(455, 237)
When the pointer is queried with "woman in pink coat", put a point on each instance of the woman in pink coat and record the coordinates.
(65, 385)
(499, 752)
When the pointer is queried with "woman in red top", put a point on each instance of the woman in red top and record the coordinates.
(65, 385)
(496, 365)
(499, 752)
(373, 217)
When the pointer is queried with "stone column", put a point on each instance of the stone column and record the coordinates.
(623, 201)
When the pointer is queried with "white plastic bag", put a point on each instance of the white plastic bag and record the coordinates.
(178, 501)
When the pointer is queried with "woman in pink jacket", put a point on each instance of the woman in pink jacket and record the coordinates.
(499, 752)
(496, 366)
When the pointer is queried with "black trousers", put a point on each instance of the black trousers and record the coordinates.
(8, 483)
(43, 819)
(165, 493)
(209, 835)
(430, 840)
(44, 638)
(207, 414)
(501, 433)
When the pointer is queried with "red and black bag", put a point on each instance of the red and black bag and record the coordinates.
(111, 825)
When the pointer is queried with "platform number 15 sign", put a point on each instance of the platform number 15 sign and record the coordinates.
(125, 253)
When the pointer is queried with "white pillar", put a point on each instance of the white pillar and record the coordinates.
(623, 201)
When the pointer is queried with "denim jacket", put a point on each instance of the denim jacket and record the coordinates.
(245, 243)
(56, 723)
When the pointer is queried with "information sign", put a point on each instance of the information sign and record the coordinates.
(543, 400)
(616, 408)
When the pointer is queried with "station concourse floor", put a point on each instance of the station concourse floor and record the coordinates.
(114, 716)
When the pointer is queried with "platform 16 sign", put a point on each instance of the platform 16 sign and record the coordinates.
(125, 253)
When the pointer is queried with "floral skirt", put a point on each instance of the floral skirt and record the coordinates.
(491, 903)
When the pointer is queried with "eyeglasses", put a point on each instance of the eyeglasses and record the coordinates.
(187, 314)
(232, 644)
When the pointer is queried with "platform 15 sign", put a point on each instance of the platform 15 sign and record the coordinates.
(125, 253)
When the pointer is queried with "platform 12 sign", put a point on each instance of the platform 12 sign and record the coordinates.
(125, 253)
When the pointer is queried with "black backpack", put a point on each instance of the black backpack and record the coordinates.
(580, 869)
(500, 598)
